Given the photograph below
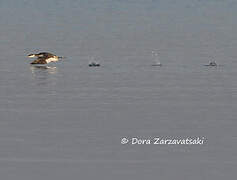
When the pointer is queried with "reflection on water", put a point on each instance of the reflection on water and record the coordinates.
(45, 78)
(43, 69)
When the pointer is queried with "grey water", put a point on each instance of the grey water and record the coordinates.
(66, 120)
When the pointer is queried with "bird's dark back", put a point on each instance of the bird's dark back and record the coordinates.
(45, 55)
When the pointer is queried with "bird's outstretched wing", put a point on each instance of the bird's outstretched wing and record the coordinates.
(39, 61)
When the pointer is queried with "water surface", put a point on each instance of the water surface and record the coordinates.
(66, 120)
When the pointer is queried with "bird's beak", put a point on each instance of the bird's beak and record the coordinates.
(31, 55)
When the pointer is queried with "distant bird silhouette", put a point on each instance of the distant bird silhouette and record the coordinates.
(94, 64)
(212, 63)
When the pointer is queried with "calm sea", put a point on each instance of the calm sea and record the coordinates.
(66, 120)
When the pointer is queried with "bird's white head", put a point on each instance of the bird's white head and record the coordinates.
(31, 55)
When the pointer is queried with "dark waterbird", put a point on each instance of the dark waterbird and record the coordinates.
(212, 63)
(94, 64)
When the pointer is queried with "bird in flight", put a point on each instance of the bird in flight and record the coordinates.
(44, 58)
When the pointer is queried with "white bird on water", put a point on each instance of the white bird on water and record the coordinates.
(156, 58)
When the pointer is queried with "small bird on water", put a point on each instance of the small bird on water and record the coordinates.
(94, 64)
(212, 63)
(157, 59)
(44, 58)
